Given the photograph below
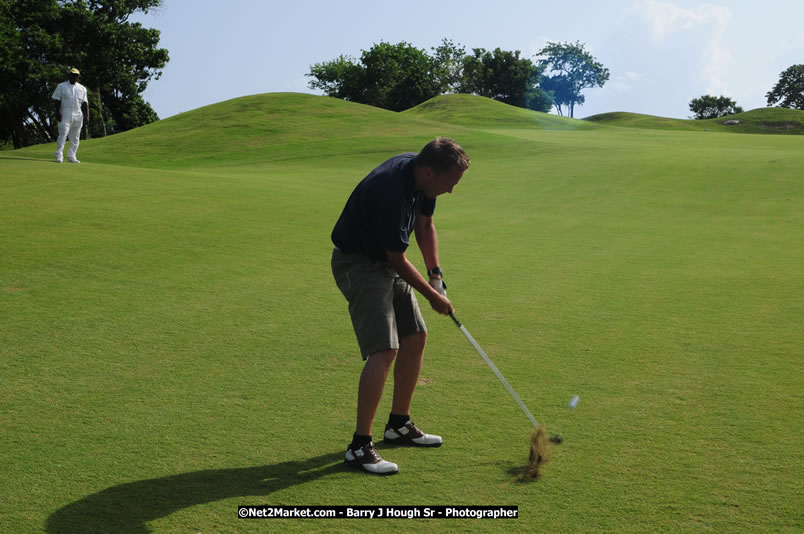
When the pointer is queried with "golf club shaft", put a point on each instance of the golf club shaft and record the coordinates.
(496, 371)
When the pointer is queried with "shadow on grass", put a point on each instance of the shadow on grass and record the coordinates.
(126, 509)
(25, 158)
(519, 474)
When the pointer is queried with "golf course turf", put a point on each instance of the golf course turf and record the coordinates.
(172, 344)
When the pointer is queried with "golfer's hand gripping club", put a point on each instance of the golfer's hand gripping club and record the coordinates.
(439, 285)
(441, 304)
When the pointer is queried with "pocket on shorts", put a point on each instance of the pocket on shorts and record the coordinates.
(344, 283)
(341, 270)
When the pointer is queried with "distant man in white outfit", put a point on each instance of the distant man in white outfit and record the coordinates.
(72, 112)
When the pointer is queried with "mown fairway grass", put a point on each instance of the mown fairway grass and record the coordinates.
(172, 344)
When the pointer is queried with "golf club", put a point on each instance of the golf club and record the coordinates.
(539, 448)
(496, 371)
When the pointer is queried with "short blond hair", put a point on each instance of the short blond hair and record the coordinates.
(441, 154)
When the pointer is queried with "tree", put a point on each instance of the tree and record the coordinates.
(562, 90)
(118, 57)
(340, 78)
(395, 77)
(500, 75)
(40, 40)
(400, 76)
(576, 69)
(537, 97)
(712, 107)
(448, 66)
(27, 35)
(789, 90)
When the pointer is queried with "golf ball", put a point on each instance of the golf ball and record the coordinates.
(574, 401)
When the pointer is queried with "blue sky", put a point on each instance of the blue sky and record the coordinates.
(661, 53)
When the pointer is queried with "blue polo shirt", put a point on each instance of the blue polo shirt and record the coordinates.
(381, 212)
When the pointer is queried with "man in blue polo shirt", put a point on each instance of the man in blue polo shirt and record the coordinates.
(370, 268)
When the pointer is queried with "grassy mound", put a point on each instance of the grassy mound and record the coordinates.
(258, 128)
(485, 113)
(761, 121)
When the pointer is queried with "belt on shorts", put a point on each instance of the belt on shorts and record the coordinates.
(337, 250)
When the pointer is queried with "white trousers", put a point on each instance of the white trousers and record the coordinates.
(72, 129)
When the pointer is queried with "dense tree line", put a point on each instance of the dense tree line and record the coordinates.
(400, 76)
(41, 40)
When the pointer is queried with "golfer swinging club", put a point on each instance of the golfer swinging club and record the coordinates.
(371, 270)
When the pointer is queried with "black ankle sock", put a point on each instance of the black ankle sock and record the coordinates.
(359, 440)
(397, 421)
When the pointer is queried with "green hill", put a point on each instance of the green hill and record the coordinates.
(480, 112)
(761, 120)
(258, 128)
(278, 126)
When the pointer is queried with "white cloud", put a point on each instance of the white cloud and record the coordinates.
(667, 18)
(795, 42)
(625, 81)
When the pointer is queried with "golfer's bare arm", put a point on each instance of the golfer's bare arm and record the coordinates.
(408, 272)
(427, 240)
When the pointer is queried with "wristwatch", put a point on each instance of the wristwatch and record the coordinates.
(435, 271)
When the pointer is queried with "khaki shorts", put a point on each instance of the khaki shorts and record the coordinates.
(383, 307)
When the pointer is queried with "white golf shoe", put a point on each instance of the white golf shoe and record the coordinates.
(72, 160)
(367, 459)
(410, 435)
